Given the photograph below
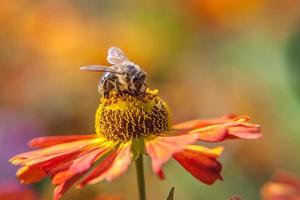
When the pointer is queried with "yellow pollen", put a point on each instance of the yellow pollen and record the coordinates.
(121, 118)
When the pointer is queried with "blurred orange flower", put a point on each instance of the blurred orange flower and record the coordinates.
(224, 12)
(282, 186)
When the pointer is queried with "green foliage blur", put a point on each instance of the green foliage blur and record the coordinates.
(208, 58)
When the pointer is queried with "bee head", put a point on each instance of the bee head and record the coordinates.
(140, 77)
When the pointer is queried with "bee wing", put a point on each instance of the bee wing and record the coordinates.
(98, 68)
(116, 56)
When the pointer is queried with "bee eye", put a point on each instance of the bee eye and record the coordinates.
(139, 77)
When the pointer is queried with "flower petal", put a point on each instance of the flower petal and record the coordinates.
(197, 123)
(40, 163)
(161, 174)
(53, 140)
(120, 164)
(283, 185)
(60, 190)
(226, 127)
(79, 165)
(30, 174)
(161, 149)
(97, 174)
(113, 166)
(65, 179)
(48, 153)
(201, 163)
(287, 178)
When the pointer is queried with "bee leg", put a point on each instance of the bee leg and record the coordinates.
(107, 87)
(117, 86)
(137, 90)
(130, 91)
(106, 94)
(146, 86)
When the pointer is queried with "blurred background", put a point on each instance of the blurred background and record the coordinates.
(207, 57)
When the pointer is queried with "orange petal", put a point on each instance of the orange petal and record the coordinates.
(63, 188)
(287, 178)
(201, 163)
(65, 179)
(283, 185)
(161, 174)
(210, 152)
(30, 174)
(53, 140)
(196, 123)
(78, 165)
(48, 153)
(244, 131)
(99, 170)
(161, 149)
(65, 162)
(279, 191)
(112, 167)
(227, 127)
(120, 164)
(34, 173)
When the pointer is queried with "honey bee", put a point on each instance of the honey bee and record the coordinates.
(123, 76)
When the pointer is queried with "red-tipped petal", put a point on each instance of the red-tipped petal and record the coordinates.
(161, 149)
(201, 163)
(287, 178)
(111, 167)
(97, 174)
(283, 185)
(227, 127)
(120, 164)
(61, 189)
(30, 174)
(64, 162)
(161, 174)
(199, 123)
(54, 140)
(41, 155)
(65, 179)
(79, 165)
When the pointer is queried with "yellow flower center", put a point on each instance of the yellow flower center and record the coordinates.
(123, 117)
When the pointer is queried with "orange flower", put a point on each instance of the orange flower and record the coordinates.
(122, 134)
(127, 127)
(283, 186)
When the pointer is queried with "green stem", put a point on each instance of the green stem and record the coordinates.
(140, 177)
